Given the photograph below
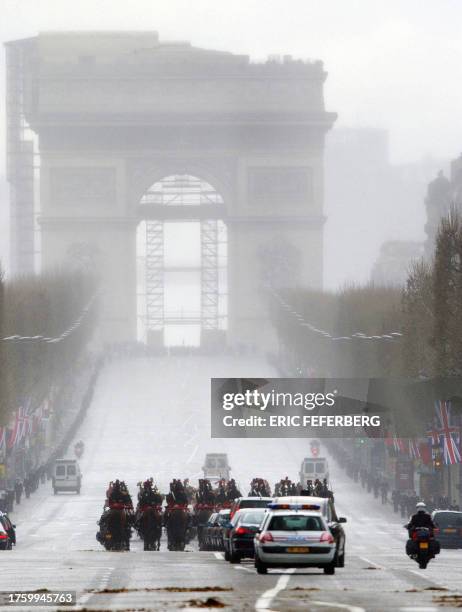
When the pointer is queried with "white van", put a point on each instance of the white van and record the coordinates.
(216, 467)
(66, 476)
(312, 468)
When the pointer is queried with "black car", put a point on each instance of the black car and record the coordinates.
(448, 528)
(7, 532)
(238, 538)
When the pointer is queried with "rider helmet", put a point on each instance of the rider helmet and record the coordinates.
(421, 506)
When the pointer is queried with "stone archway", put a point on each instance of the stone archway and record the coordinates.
(255, 131)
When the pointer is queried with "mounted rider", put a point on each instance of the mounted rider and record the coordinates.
(177, 495)
(117, 500)
(205, 495)
(117, 493)
(259, 488)
(149, 495)
(232, 492)
(220, 494)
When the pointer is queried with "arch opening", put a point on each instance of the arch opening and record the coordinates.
(181, 264)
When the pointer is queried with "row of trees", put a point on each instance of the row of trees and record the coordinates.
(427, 312)
(46, 305)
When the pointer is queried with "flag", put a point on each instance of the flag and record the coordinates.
(449, 433)
(414, 449)
(433, 434)
(399, 445)
(425, 452)
(15, 432)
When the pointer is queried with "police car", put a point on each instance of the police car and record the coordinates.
(294, 535)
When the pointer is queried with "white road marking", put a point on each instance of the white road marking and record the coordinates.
(376, 565)
(264, 601)
(420, 575)
(331, 604)
(219, 555)
(243, 568)
(417, 609)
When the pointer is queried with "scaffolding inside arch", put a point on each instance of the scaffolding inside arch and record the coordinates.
(184, 190)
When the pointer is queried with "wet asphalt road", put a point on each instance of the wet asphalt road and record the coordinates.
(151, 417)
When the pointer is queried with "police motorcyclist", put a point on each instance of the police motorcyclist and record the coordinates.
(421, 518)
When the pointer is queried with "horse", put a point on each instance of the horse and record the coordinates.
(177, 522)
(117, 533)
(150, 527)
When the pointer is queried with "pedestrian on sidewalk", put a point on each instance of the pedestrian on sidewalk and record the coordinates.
(18, 489)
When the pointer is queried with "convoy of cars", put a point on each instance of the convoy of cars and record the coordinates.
(293, 531)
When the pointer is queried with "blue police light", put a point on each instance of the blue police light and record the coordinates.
(281, 506)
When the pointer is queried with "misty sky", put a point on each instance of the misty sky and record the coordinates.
(391, 63)
(394, 64)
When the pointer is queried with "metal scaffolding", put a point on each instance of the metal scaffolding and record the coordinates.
(154, 275)
(20, 151)
(209, 274)
(182, 192)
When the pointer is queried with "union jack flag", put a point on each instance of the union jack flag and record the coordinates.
(449, 434)
(414, 449)
(399, 445)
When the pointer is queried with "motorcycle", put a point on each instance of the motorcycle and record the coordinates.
(78, 449)
(422, 546)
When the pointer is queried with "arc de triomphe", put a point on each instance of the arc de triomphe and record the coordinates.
(117, 111)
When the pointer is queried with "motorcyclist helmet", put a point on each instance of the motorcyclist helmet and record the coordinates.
(420, 506)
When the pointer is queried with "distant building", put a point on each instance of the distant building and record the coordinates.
(442, 193)
(394, 261)
(369, 201)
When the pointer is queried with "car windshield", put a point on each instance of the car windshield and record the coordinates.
(252, 518)
(253, 503)
(296, 522)
(448, 519)
(223, 519)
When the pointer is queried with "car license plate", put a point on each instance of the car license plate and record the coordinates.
(423, 545)
(449, 530)
(298, 549)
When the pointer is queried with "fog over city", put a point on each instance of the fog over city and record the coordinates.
(392, 66)
(231, 304)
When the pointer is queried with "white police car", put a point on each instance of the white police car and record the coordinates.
(294, 535)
